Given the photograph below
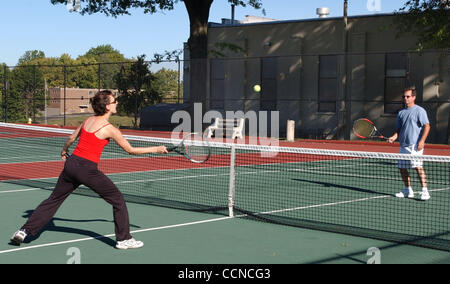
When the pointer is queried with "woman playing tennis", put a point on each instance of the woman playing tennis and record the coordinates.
(81, 168)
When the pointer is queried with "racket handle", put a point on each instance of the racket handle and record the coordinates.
(171, 148)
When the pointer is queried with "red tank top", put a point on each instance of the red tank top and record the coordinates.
(89, 146)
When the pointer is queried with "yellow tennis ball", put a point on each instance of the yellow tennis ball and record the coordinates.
(257, 88)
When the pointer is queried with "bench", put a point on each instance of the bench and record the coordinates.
(226, 126)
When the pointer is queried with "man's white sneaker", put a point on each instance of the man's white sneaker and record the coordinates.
(18, 237)
(127, 244)
(424, 195)
(406, 193)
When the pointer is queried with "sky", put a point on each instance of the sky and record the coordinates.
(39, 25)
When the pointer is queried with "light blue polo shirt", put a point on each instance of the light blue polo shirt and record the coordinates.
(410, 121)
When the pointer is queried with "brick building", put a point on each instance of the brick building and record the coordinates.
(76, 101)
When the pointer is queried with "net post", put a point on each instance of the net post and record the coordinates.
(231, 192)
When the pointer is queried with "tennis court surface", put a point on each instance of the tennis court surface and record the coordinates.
(310, 205)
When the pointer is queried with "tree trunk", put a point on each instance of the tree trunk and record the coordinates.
(198, 11)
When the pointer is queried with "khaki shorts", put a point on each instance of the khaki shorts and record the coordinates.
(413, 163)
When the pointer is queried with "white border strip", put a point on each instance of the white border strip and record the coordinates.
(203, 222)
(112, 235)
(261, 148)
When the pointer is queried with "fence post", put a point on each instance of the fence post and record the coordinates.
(179, 83)
(290, 133)
(5, 95)
(33, 95)
(65, 85)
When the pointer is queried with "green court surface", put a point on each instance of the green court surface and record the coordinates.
(180, 210)
(181, 237)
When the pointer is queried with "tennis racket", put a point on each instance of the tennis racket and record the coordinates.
(194, 147)
(365, 129)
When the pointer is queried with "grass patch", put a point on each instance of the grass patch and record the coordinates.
(115, 120)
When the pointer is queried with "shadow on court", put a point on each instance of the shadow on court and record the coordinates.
(356, 257)
(52, 227)
(342, 187)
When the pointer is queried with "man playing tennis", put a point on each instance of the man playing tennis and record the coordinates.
(412, 130)
(81, 168)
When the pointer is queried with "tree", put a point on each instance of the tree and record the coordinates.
(135, 86)
(26, 88)
(429, 20)
(4, 70)
(198, 11)
(84, 71)
(57, 71)
(165, 84)
(105, 55)
(31, 55)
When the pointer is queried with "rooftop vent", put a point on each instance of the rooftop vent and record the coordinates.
(323, 12)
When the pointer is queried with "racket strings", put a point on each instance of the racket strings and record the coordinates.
(363, 128)
(196, 148)
(198, 153)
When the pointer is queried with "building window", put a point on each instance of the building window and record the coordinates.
(327, 83)
(218, 78)
(395, 81)
(268, 101)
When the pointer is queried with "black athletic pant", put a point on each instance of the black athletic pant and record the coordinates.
(81, 171)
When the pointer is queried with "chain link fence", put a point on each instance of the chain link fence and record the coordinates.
(44, 93)
(322, 93)
(325, 93)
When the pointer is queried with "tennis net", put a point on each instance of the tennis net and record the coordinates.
(346, 192)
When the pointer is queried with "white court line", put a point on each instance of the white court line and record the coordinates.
(26, 189)
(203, 222)
(205, 175)
(332, 203)
(26, 158)
(111, 235)
(121, 182)
(141, 180)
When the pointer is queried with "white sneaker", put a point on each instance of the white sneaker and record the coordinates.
(131, 243)
(424, 195)
(406, 193)
(18, 237)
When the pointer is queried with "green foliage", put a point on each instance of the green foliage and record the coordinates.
(25, 90)
(107, 72)
(198, 11)
(115, 8)
(101, 67)
(3, 76)
(82, 72)
(31, 55)
(134, 83)
(165, 84)
(429, 20)
(167, 55)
